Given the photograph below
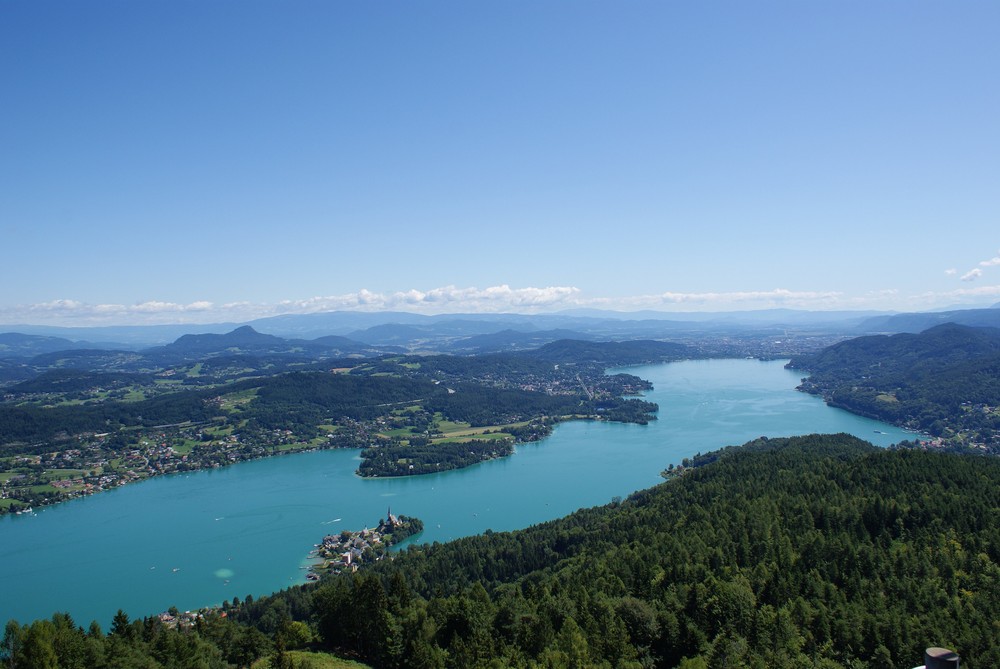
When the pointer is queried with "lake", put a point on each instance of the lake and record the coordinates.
(192, 540)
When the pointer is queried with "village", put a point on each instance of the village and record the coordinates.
(97, 462)
(349, 551)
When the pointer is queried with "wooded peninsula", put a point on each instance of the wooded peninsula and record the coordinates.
(67, 433)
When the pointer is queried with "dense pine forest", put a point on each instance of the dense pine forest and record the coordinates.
(818, 551)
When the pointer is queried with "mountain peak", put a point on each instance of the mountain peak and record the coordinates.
(245, 333)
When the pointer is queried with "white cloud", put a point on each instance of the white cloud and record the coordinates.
(951, 272)
(493, 299)
(972, 274)
(959, 295)
(447, 299)
(779, 297)
(83, 313)
(992, 262)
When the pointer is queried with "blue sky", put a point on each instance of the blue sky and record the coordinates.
(172, 161)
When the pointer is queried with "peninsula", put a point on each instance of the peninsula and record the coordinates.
(348, 551)
(67, 434)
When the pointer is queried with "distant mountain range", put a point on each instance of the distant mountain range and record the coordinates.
(919, 322)
(240, 351)
(345, 333)
(18, 345)
(513, 340)
(402, 328)
(247, 341)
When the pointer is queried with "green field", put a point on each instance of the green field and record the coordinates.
(451, 432)
(43, 489)
(449, 426)
(313, 660)
(60, 474)
(297, 446)
(184, 447)
(233, 401)
(134, 395)
(402, 432)
(493, 436)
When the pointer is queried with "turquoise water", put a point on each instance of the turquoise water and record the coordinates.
(196, 539)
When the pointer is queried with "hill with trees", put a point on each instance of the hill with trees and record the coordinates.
(17, 345)
(944, 381)
(918, 322)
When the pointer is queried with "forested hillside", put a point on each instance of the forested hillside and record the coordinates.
(813, 551)
(944, 381)
(817, 551)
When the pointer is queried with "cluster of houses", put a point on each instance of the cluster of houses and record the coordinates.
(348, 551)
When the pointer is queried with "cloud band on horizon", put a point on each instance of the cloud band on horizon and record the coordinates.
(451, 299)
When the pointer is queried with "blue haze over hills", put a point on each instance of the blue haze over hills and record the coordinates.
(404, 328)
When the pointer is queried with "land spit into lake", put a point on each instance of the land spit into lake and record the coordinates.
(348, 551)
(404, 417)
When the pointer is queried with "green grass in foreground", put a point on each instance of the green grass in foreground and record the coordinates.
(314, 660)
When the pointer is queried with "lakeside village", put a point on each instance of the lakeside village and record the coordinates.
(98, 462)
(337, 553)
(91, 463)
(348, 551)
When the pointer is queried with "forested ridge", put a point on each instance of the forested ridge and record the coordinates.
(818, 551)
(944, 381)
